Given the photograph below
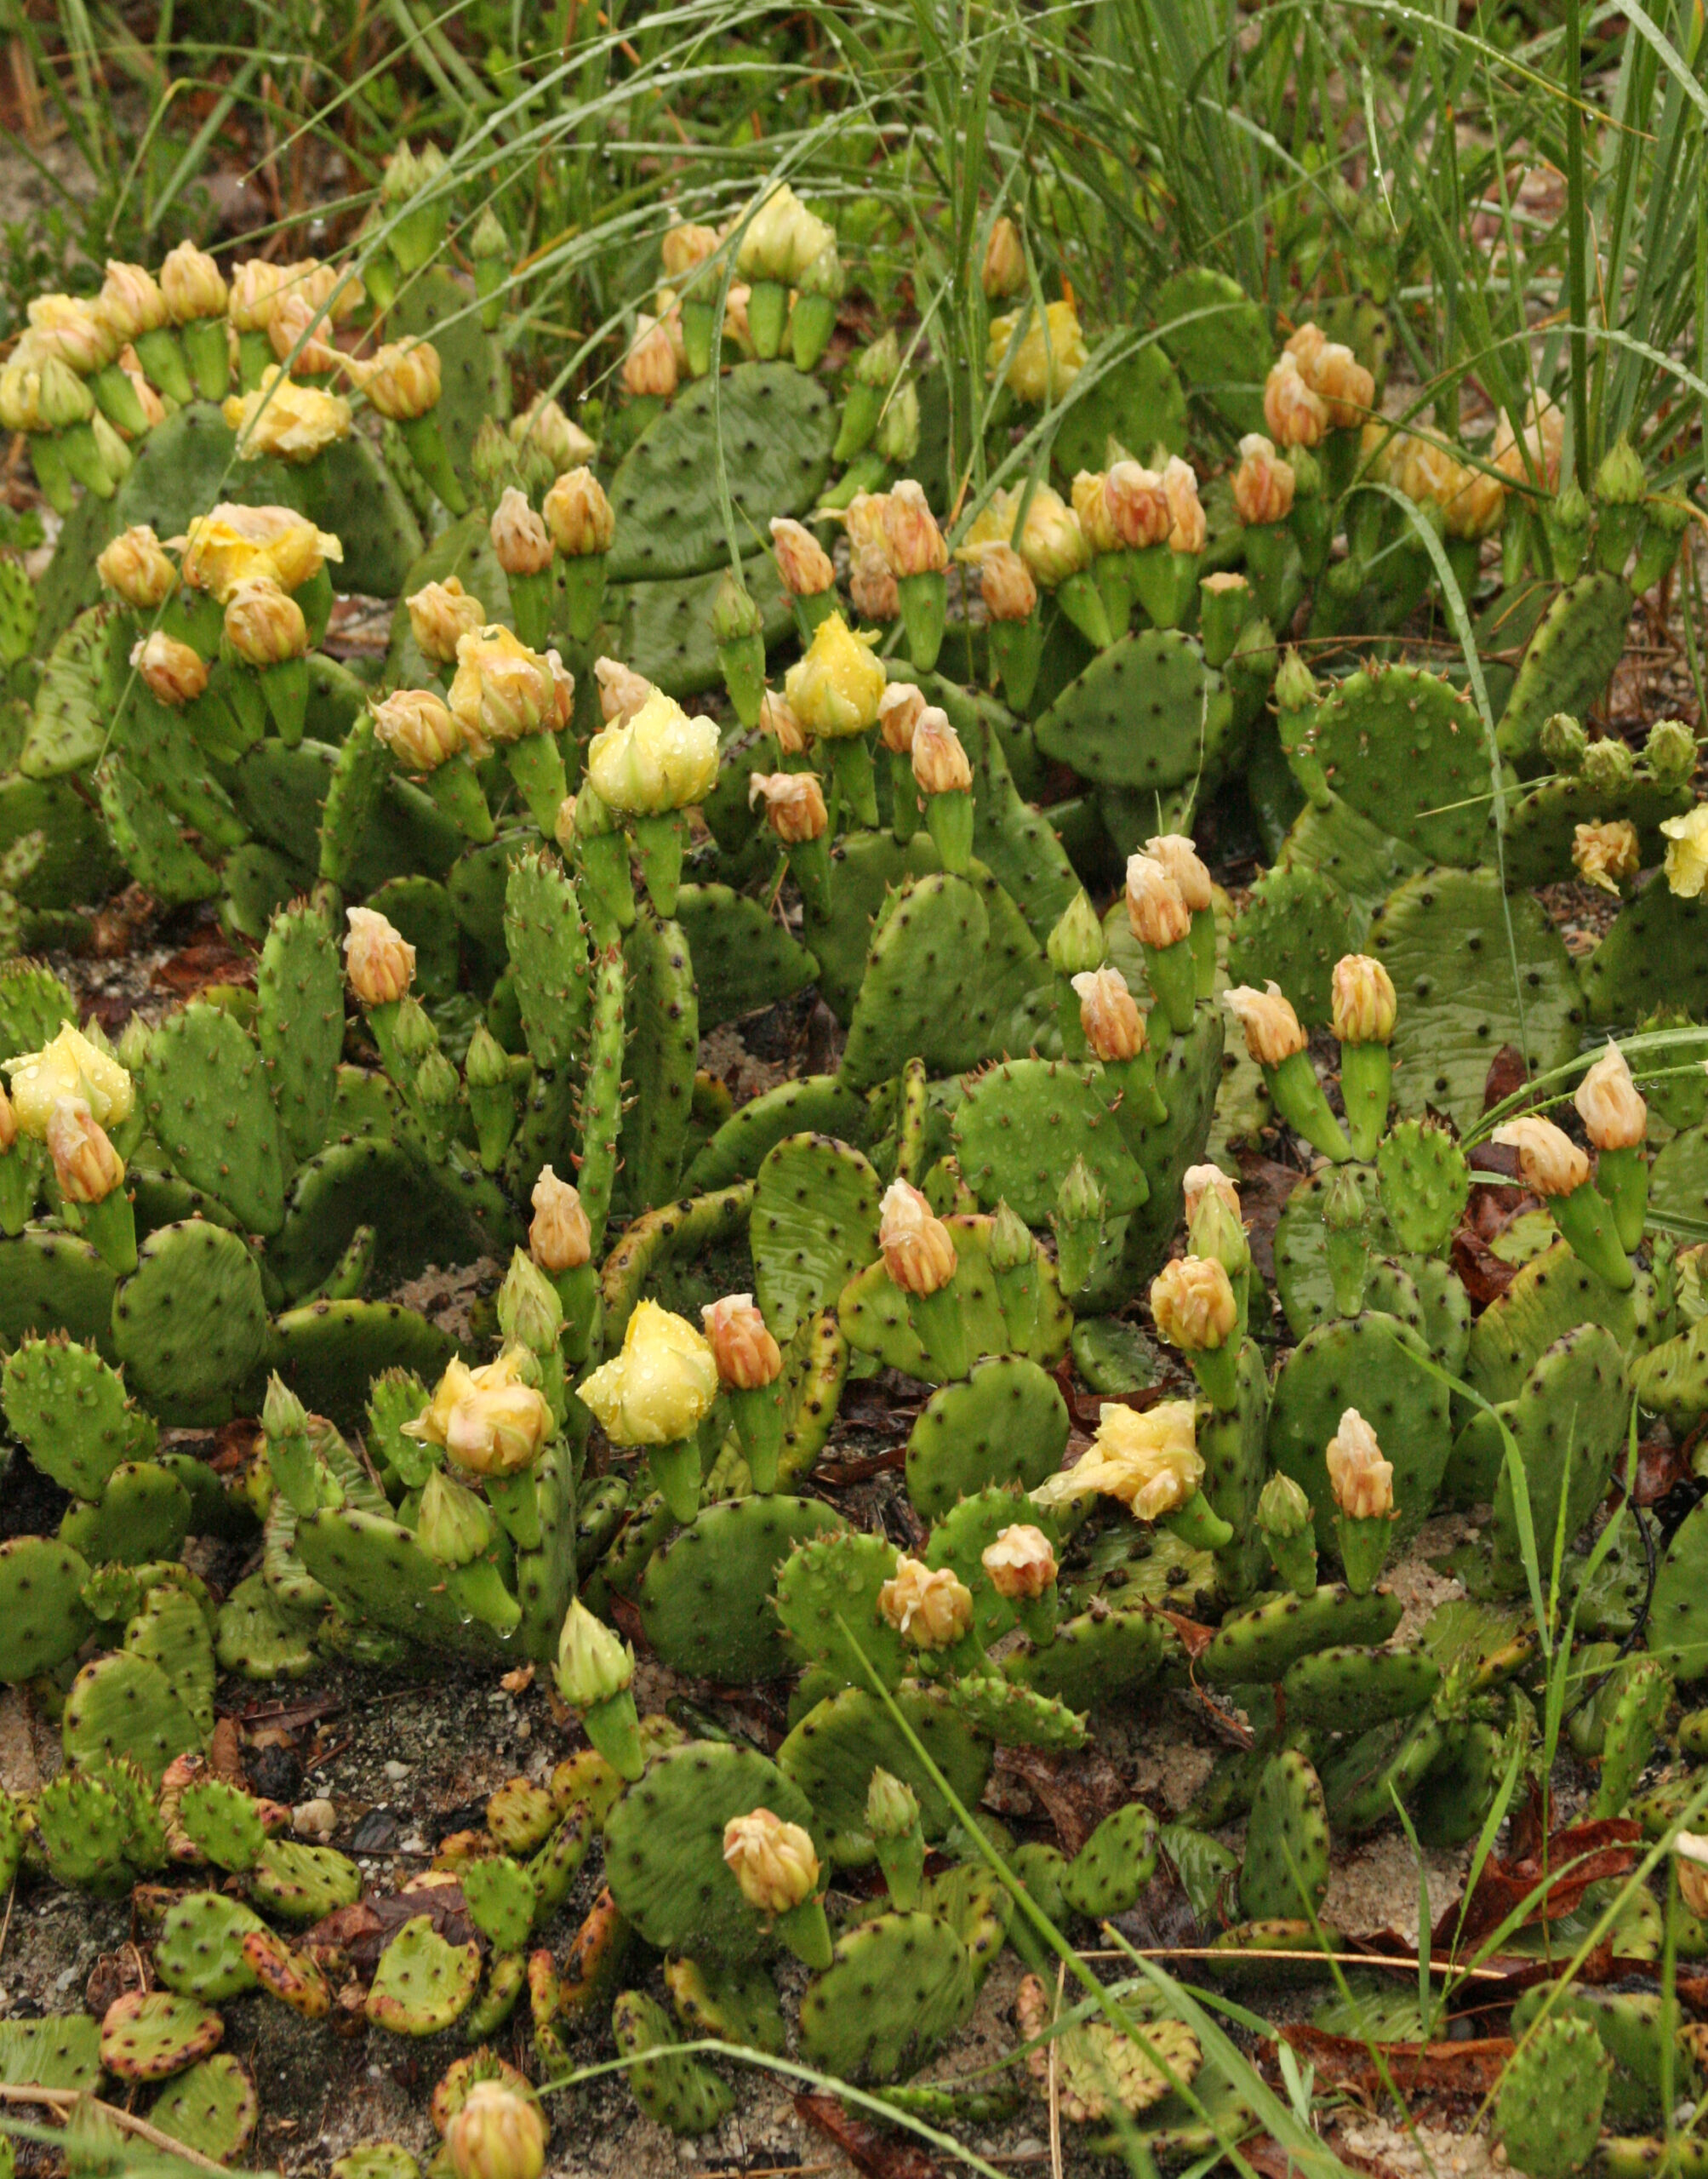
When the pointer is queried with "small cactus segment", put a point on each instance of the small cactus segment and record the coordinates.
(43, 1618)
(123, 1706)
(814, 1225)
(501, 1898)
(1644, 1696)
(1005, 1423)
(1260, 1643)
(682, 2093)
(189, 1322)
(663, 1020)
(1015, 1715)
(1100, 1659)
(1443, 937)
(70, 1411)
(1361, 1780)
(1022, 1125)
(300, 1023)
(1295, 925)
(142, 1514)
(1405, 748)
(705, 1597)
(1286, 1866)
(223, 1823)
(897, 1988)
(1548, 2112)
(212, 2108)
(1233, 1445)
(1303, 1278)
(1111, 1870)
(1147, 713)
(1569, 664)
(735, 2000)
(1347, 1688)
(1652, 955)
(1552, 1295)
(98, 1826)
(549, 960)
(304, 1884)
(1424, 1182)
(826, 1597)
(422, 1984)
(199, 1952)
(150, 2035)
(833, 1751)
(743, 958)
(822, 1104)
(206, 1093)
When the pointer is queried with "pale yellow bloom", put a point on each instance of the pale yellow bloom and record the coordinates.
(130, 301)
(650, 366)
(931, 1607)
(498, 1429)
(71, 329)
(659, 1388)
(1273, 1032)
(1609, 1103)
(300, 335)
(1049, 358)
(441, 614)
(497, 2133)
(255, 288)
(1004, 269)
(1150, 1461)
(72, 1065)
(578, 515)
(660, 760)
(192, 283)
(782, 238)
(418, 727)
(1687, 852)
(135, 569)
(899, 711)
(684, 247)
(835, 688)
(772, 1862)
(502, 690)
(1091, 510)
(232, 544)
(1052, 543)
(1006, 585)
(872, 589)
(545, 424)
(265, 624)
(280, 418)
(1548, 1159)
(1363, 1001)
(1606, 854)
(912, 542)
(777, 720)
(402, 380)
(1208, 1180)
(621, 690)
(1362, 1480)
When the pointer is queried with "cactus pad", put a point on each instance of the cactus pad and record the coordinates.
(69, 1410)
(1019, 1127)
(199, 1952)
(1147, 713)
(303, 1883)
(832, 1752)
(206, 1093)
(43, 1619)
(1346, 1688)
(1655, 953)
(422, 1984)
(706, 1597)
(743, 957)
(1111, 1869)
(1286, 1866)
(146, 2036)
(1552, 1295)
(127, 1705)
(189, 1324)
(680, 2092)
(1259, 1643)
(212, 2108)
(1569, 661)
(501, 1898)
(57, 2052)
(1424, 1180)
(897, 1988)
(1100, 1658)
(873, 1309)
(1549, 2108)
(1295, 925)
(836, 1578)
(381, 1576)
(814, 1225)
(549, 960)
(1005, 1423)
(54, 1282)
(300, 1024)
(222, 1822)
(822, 1104)
(663, 1020)
(1404, 748)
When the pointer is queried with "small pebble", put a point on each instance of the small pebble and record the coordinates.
(396, 1772)
(315, 1819)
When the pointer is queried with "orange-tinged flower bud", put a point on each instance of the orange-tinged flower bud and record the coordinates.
(684, 247)
(1006, 585)
(898, 711)
(735, 326)
(441, 614)
(1208, 1180)
(192, 283)
(804, 566)
(1362, 1480)
(130, 301)
(747, 1356)
(174, 672)
(772, 1862)
(85, 1163)
(1365, 1006)
(301, 336)
(1187, 528)
(1606, 854)
(559, 1237)
(872, 584)
(1052, 543)
(256, 287)
(418, 727)
(402, 382)
(794, 805)
(1304, 346)
(1019, 1562)
(498, 1429)
(1091, 505)
(1610, 1104)
(71, 330)
(379, 960)
(918, 1248)
(264, 624)
(520, 542)
(502, 690)
(1271, 1028)
(1155, 906)
(1138, 505)
(135, 569)
(1192, 1300)
(1263, 483)
(931, 1607)
(1004, 270)
(1181, 859)
(1114, 1027)
(578, 515)
(622, 692)
(1295, 414)
(777, 720)
(912, 542)
(939, 763)
(497, 2134)
(8, 1121)
(1339, 380)
(1548, 1160)
(650, 366)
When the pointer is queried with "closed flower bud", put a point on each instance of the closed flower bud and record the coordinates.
(804, 566)
(1150, 1461)
(559, 1237)
(1296, 687)
(20, 399)
(1019, 1562)
(1052, 543)
(1283, 1509)
(661, 760)
(264, 624)
(64, 399)
(772, 1862)
(661, 1387)
(530, 1313)
(72, 330)
(1295, 414)
(1606, 854)
(130, 301)
(782, 238)
(1364, 1005)
(1114, 1027)
(1138, 505)
(939, 763)
(301, 336)
(497, 2134)
(872, 585)
(1669, 751)
(377, 959)
(441, 614)
(192, 283)
(1155, 906)
(1078, 943)
(578, 515)
(255, 288)
(877, 365)
(418, 727)
(622, 692)
(892, 1808)
(1609, 1103)
(1192, 1300)
(520, 542)
(1608, 765)
(1548, 1160)
(918, 1248)
(71, 1067)
(1263, 483)
(684, 247)
(85, 1163)
(837, 688)
(1050, 355)
(1271, 1028)
(650, 366)
(1011, 1246)
(1208, 1180)
(1006, 585)
(794, 805)
(402, 382)
(1686, 868)
(899, 711)
(173, 673)
(1082, 1199)
(1362, 1480)
(451, 1524)
(1620, 480)
(1181, 859)
(734, 616)
(593, 1663)
(498, 1429)
(931, 1607)
(1187, 528)
(502, 690)
(1091, 505)
(135, 569)
(544, 426)
(913, 541)
(777, 719)
(747, 1356)
(1004, 270)
(280, 417)
(1341, 383)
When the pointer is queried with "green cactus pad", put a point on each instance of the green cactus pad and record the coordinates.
(33, 1002)
(222, 1822)
(1111, 1869)
(1100, 1658)
(663, 1021)
(501, 1898)
(813, 1226)
(835, 1577)
(1218, 340)
(70, 1413)
(1655, 953)
(1551, 1295)
(897, 1988)
(1424, 1179)
(149, 2035)
(212, 2108)
(667, 626)
(304, 1884)
(76, 861)
(422, 1984)
(1017, 1716)
(43, 1619)
(1374, 1364)
(832, 1754)
(328, 1352)
(381, 1576)
(199, 1952)
(80, 683)
(733, 2000)
(127, 1706)
(1259, 1643)
(54, 1282)
(1019, 1127)
(873, 1309)
(743, 958)
(1671, 1379)
(377, 2160)
(1548, 2109)
(1360, 1780)
(775, 426)
(1286, 1866)
(1005, 1423)
(147, 838)
(1405, 748)
(1364, 860)
(144, 1513)
(682, 2093)
(189, 1324)
(96, 1828)
(1146, 713)
(866, 866)
(1136, 402)
(549, 960)
(1347, 1688)
(1188, 1074)
(206, 1093)
(664, 1846)
(706, 1597)
(1295, 925)
(1569, 661)
(820, 1104)
(57, 2052)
